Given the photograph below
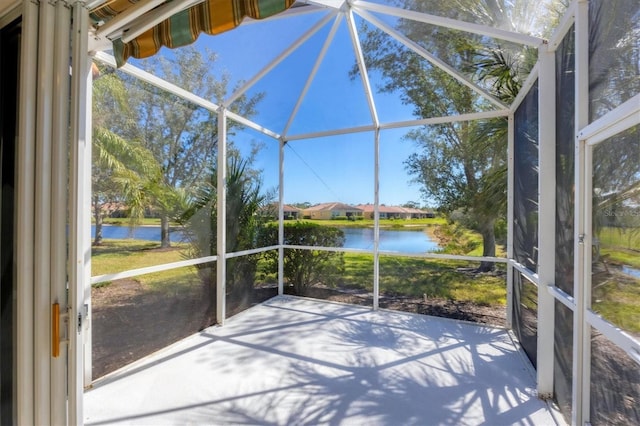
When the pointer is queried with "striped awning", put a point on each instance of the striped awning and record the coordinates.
(184, 27)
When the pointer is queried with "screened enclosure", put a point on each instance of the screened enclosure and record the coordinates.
(293, 154)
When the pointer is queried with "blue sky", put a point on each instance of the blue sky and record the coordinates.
(338, 168)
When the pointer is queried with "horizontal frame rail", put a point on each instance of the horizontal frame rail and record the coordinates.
(151, 269)
(526, 272)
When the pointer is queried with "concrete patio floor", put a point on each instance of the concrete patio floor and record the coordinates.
(294, 361)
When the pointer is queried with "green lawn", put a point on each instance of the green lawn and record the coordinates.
(616, 295)
(620, 246)
(617, 299)
(419, 277)
(398, 275)
(122, 255)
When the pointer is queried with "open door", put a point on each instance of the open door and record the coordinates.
(43, 251)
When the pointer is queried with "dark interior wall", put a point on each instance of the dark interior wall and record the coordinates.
(9, 74)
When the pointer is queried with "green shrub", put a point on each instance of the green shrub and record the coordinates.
(304, 268)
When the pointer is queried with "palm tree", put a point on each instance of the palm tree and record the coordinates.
(245, 200)
(123, 173)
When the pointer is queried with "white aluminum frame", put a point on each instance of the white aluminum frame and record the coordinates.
(546, 217)
(453, 24)
(582, 235)
(616, 121)
(435, 61)
(510, 214)
(59, 201)
(588, 135)
(271, 65)
(80, 220)
(314, 71)
(221, 204)
(42, 247)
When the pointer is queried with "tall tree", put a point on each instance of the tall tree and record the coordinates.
(123, 175)
(182, 136)
(123, 172)
(459, 165)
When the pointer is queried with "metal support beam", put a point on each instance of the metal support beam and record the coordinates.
(221, 244)
(80, 220)
(362, 67)
(546, 218)
(314, 71)
(435, 61)
(376, 220)
(59, 199)
(281, 218)
(454, 24)
(42, 247)
(582, 232)
(281, 57)
(510, 216)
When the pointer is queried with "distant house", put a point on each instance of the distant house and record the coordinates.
(332, 210)
(111, 209)
(386, 212)
(290, 212)
(395, 212)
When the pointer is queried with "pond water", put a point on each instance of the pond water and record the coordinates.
(414, 241)
(631, 271)
(148, 233)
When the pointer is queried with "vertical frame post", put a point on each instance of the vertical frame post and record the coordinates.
(80, 216)
(582, 236)
(42, 270)
(546, 217)
(376, 220)
(221, 265)
(510, 189)
(281, 219)
(59, 198)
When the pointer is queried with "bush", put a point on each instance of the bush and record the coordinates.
(304, 268)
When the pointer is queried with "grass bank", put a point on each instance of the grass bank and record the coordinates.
(430, 278)
(123, 255)
(408, 276)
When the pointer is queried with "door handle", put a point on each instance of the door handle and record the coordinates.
(56, 340)
(55, 330)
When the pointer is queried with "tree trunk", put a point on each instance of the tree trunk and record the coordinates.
(97, 216)
(165, 240)
(488, 245)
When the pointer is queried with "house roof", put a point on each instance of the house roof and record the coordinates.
(391, 209)
(290, 208)
(331, 207)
